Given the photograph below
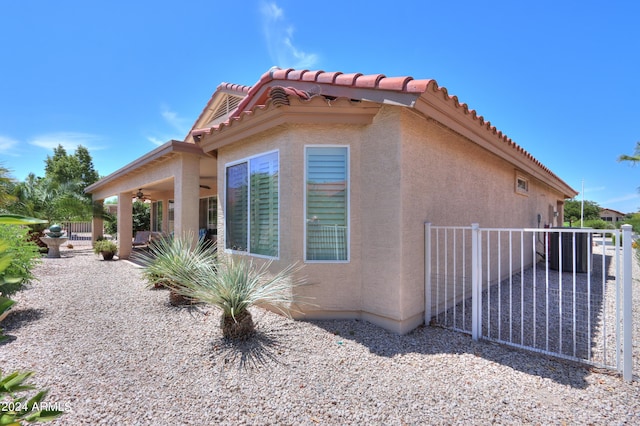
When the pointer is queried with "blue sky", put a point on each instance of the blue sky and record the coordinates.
(561, 78)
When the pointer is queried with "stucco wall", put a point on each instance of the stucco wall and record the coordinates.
(334, 287)
(404, 170)
(448, 181)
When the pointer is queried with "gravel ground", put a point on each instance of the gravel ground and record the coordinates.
(114, 352)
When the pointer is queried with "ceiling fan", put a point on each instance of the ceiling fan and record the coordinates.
(140, 195)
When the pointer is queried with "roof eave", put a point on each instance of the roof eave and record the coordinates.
(315, 110)
(437, 104)
(164, 150)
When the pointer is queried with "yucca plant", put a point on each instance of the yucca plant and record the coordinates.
(171, 261)
(238, 283)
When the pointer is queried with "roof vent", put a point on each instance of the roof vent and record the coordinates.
(279, 96)
(225, 108)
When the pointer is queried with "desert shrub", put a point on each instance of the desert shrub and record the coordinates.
(170, 261)
(231, 284)
(237, 284)
(598, 224)
(634, 221)
(105, 246)
(24, 254)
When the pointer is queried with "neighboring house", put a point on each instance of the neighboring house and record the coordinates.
(339, 171)
(612, 216)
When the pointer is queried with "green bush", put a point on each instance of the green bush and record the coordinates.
(634, 221)
(597, 224)
(105, 246)
(15, 409)
(24, 254)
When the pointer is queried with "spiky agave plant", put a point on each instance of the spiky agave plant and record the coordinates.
(238, 283)
(176, 261)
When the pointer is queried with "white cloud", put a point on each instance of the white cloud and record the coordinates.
(271, 11)
(7, 144)
(172, 118)
(627, 197)
(68, 140)
(279, 39)
(180, 126)
(155, 141)
(594, 189)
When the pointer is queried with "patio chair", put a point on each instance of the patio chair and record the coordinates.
(141, 238)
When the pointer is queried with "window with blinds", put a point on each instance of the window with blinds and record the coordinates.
(327, 203)
(252, 205)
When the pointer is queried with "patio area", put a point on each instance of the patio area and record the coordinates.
(115, 352)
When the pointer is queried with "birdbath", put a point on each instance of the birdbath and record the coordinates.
(54, 240)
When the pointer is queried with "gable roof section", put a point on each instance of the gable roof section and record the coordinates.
(298, 108)
(425, 96)
(605, 210)
(223, 102)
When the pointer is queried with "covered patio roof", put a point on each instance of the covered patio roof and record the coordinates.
(105, 187)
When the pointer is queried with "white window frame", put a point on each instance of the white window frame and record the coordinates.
(171, 216)
(208, 197)
(304, 202)
(518, 189)
(157, 224)
(248, 252)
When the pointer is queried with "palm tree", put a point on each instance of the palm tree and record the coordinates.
(47, 199)
(635, 158)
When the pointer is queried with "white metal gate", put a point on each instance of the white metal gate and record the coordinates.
(561, 291)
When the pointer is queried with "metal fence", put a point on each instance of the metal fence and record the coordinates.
(77, 231)
(559, 291)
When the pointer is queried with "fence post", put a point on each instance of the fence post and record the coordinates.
(427, 273)
(476, 282)
(627, 308)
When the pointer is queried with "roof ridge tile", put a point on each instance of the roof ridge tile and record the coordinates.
(394, 83)
(347, 79)
(311, 75)
(328, 77)
(369, 81)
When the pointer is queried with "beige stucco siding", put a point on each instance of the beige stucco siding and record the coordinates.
(405, 170)
(334, 286)
(449, 181)
(379, 210)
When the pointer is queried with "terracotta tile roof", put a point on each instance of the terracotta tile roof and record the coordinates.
(258, 96)
(280, 95)
(233, 87)
(337, 78)
(240, 89)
